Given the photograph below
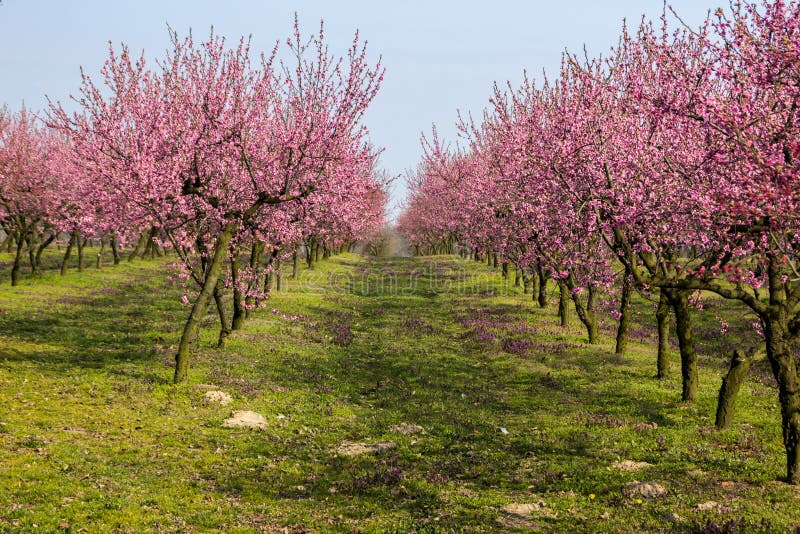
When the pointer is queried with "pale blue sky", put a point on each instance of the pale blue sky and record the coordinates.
(441, 56)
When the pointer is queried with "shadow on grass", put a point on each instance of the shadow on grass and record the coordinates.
(99, 328)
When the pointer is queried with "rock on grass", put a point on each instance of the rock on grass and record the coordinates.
(629, 466)
(648, 490)
(245, 419)
(219, 397)
(354, 449)
(407, 429)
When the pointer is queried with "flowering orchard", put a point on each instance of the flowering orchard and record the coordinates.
(230, 165)
(669, 166)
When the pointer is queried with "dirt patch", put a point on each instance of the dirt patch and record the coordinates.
(407, 429)
(629, 466)
(354, 449)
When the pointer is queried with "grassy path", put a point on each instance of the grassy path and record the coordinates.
(521, 422)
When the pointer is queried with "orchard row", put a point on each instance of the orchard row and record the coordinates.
(668, 166)
(232, 166)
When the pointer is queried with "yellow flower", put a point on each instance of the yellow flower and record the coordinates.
(591, 495)
(638, 501)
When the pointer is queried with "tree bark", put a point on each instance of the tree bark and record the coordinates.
(31, 245)
(563, 303)
(309, 254)
(40, 250)
(239, 309)
(726, 400)
(139, 246)
(200, 306)
(624, 313)
(81, 244)
(542, 287)
(278, 276)
(68, 253)
(99, 262)
(585, 310)
(784, 364)
(527, 283)
(683, 328)
(662, 318)
(17, 260)
(504, 270)
(294, 264)
(115, 248)
(224, 328)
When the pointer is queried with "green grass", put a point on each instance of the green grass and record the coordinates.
(94, 436)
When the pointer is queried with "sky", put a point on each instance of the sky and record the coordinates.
(441, 57)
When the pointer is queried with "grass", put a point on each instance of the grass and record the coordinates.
(515, 410)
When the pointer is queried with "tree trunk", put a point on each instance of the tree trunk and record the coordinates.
(784, 364)
(585, 311)
(527, 283)
(224, 328)
(662, 317)
(563, 303)
(68, 253)
(542, 288)
(31, 245)
(99, 262)
(726, 400)
(239, 309)
(278, 276)
(40, 251)
(17, 260)
(115, 248)
(294, 264)
(784, 368)
(150, 244)
(200, 306)
(81, 244)
(683, 328)
(505, 270)
(624, 313)
(139, 246)
(494, 260)
(517, 277)
(309, 255)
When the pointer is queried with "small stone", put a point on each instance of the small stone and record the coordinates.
(629, 466)
(245, 419)
(648, 490)
(220, 397)
(524, 509)
(407, 429)
(354, 449)
(707, 506)
(672, 517)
